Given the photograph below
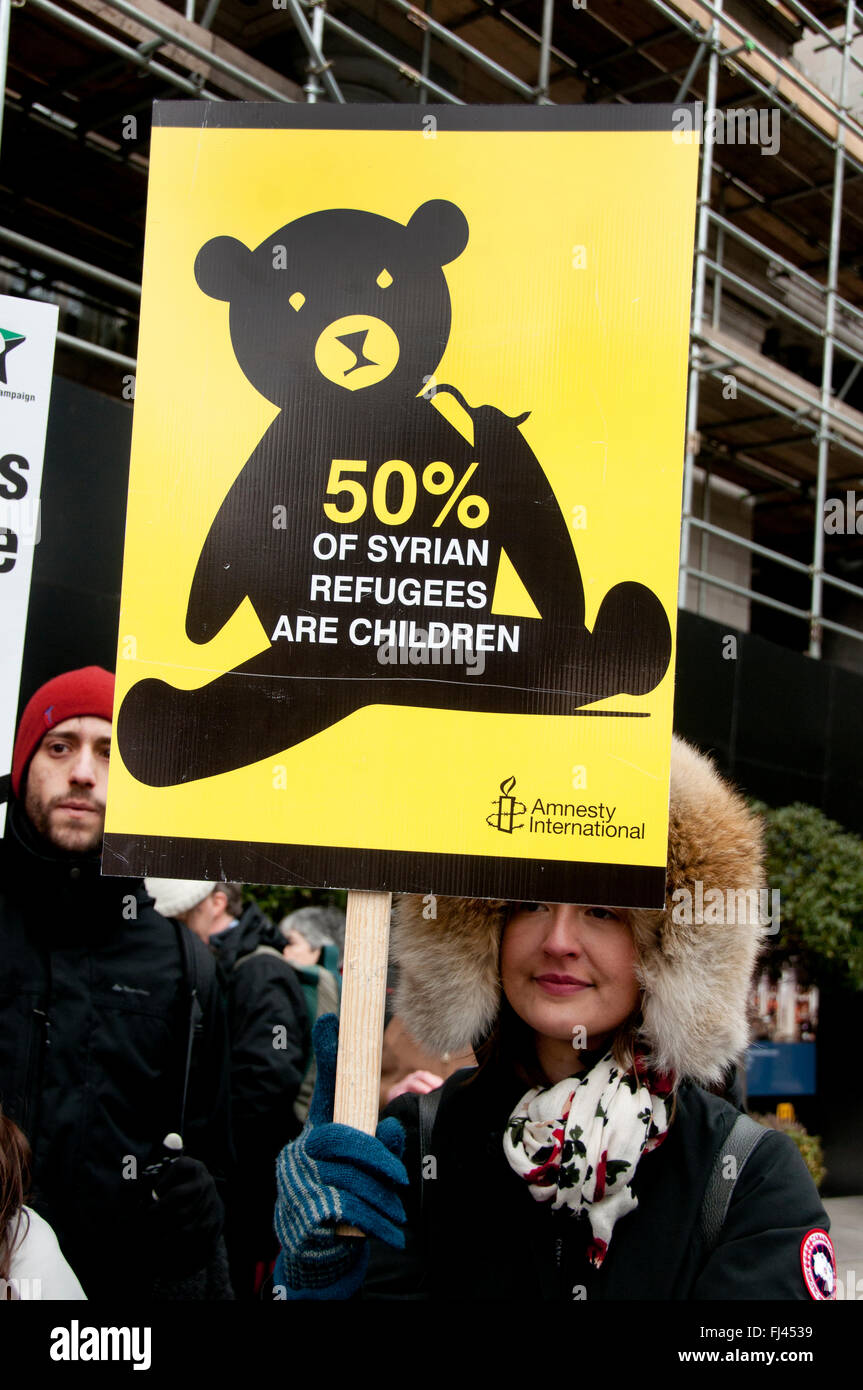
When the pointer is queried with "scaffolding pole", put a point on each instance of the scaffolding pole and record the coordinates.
(704, 550)
(720, 252)
(375, 51)
(718, 582)
(5, 16)
(117, 359)
(545, 51)
(698, 312)
(812, 404)
(313, 88)
(80, 26)
(50, 253)
(205, 54)
(776, 305)
(467, 50)
(752, 546)
(520, 27)
(751, 44)
(318, 65)
(425, 58)
(827, 361)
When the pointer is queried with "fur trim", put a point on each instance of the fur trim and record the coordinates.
(695, 976)
(448, 987)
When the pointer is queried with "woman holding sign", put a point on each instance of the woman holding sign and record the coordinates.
(583, 1158)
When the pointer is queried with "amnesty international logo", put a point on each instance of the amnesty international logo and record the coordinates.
(577, 819)
(506, 809)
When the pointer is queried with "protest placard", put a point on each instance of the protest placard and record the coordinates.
(28, 330)
(400, 580)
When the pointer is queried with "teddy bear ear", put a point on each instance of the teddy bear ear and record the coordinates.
(221, 266)
(441, 230)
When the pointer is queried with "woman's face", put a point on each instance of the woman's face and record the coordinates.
(569, 971)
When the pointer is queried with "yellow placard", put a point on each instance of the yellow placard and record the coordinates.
(401, 556)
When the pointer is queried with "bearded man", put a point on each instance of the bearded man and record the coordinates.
(112, 1027)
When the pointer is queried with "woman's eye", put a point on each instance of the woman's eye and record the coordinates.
(529, 907)
(603, 913)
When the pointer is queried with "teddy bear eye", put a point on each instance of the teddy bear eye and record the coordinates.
(297, 300)
(384, 279)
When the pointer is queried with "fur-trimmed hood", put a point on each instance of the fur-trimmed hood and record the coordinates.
(695, 976)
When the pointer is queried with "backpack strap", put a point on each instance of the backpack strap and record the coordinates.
(260, 950)
(189, 967)
(742, 1139)
(429, 1103)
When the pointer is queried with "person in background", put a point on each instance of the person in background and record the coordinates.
(309, 930)
(406, 1066)
(98, 1043)
(314, 955)
(31, 1261)
(312, 934)
(270, 1045)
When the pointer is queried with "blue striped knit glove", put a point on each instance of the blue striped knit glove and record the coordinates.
(334, 1173)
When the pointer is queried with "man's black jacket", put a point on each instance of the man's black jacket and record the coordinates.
(94, 1028)
(270, 1049)
(270, 1035)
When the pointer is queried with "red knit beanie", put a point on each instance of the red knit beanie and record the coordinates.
(88, 691)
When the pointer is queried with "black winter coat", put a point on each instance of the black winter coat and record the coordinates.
(270, 1034)
(94, 1027)
(270, 1049)
(481, 1235)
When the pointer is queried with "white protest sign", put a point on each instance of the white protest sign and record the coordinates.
(28, 331)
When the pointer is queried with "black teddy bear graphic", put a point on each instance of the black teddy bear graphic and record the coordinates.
(340, 319)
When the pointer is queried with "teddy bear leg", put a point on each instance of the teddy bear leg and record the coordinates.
(630, 646)
(168, 736)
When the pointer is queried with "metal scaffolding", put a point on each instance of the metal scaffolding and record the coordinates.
(803, 435)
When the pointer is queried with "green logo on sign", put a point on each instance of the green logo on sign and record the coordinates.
(8, 341)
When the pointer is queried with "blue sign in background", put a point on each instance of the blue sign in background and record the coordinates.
(780, 1069)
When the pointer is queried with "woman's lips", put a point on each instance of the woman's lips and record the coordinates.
(560, 984)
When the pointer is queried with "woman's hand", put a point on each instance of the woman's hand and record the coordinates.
(417, 1082)
(332, 1174)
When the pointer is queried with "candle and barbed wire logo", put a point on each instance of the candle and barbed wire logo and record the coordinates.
(507, 807)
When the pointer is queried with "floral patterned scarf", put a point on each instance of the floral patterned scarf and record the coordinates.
(578, 1143)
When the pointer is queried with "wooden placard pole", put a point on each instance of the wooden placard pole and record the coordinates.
(361, 1019)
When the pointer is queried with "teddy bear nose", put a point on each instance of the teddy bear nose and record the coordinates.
(356, 351)
(355, 341)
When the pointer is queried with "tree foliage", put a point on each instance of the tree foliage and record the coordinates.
(277, 900)
(810, 1145)
(818, 868)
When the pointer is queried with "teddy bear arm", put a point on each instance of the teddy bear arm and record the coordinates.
(220, 582)
(527, 514)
